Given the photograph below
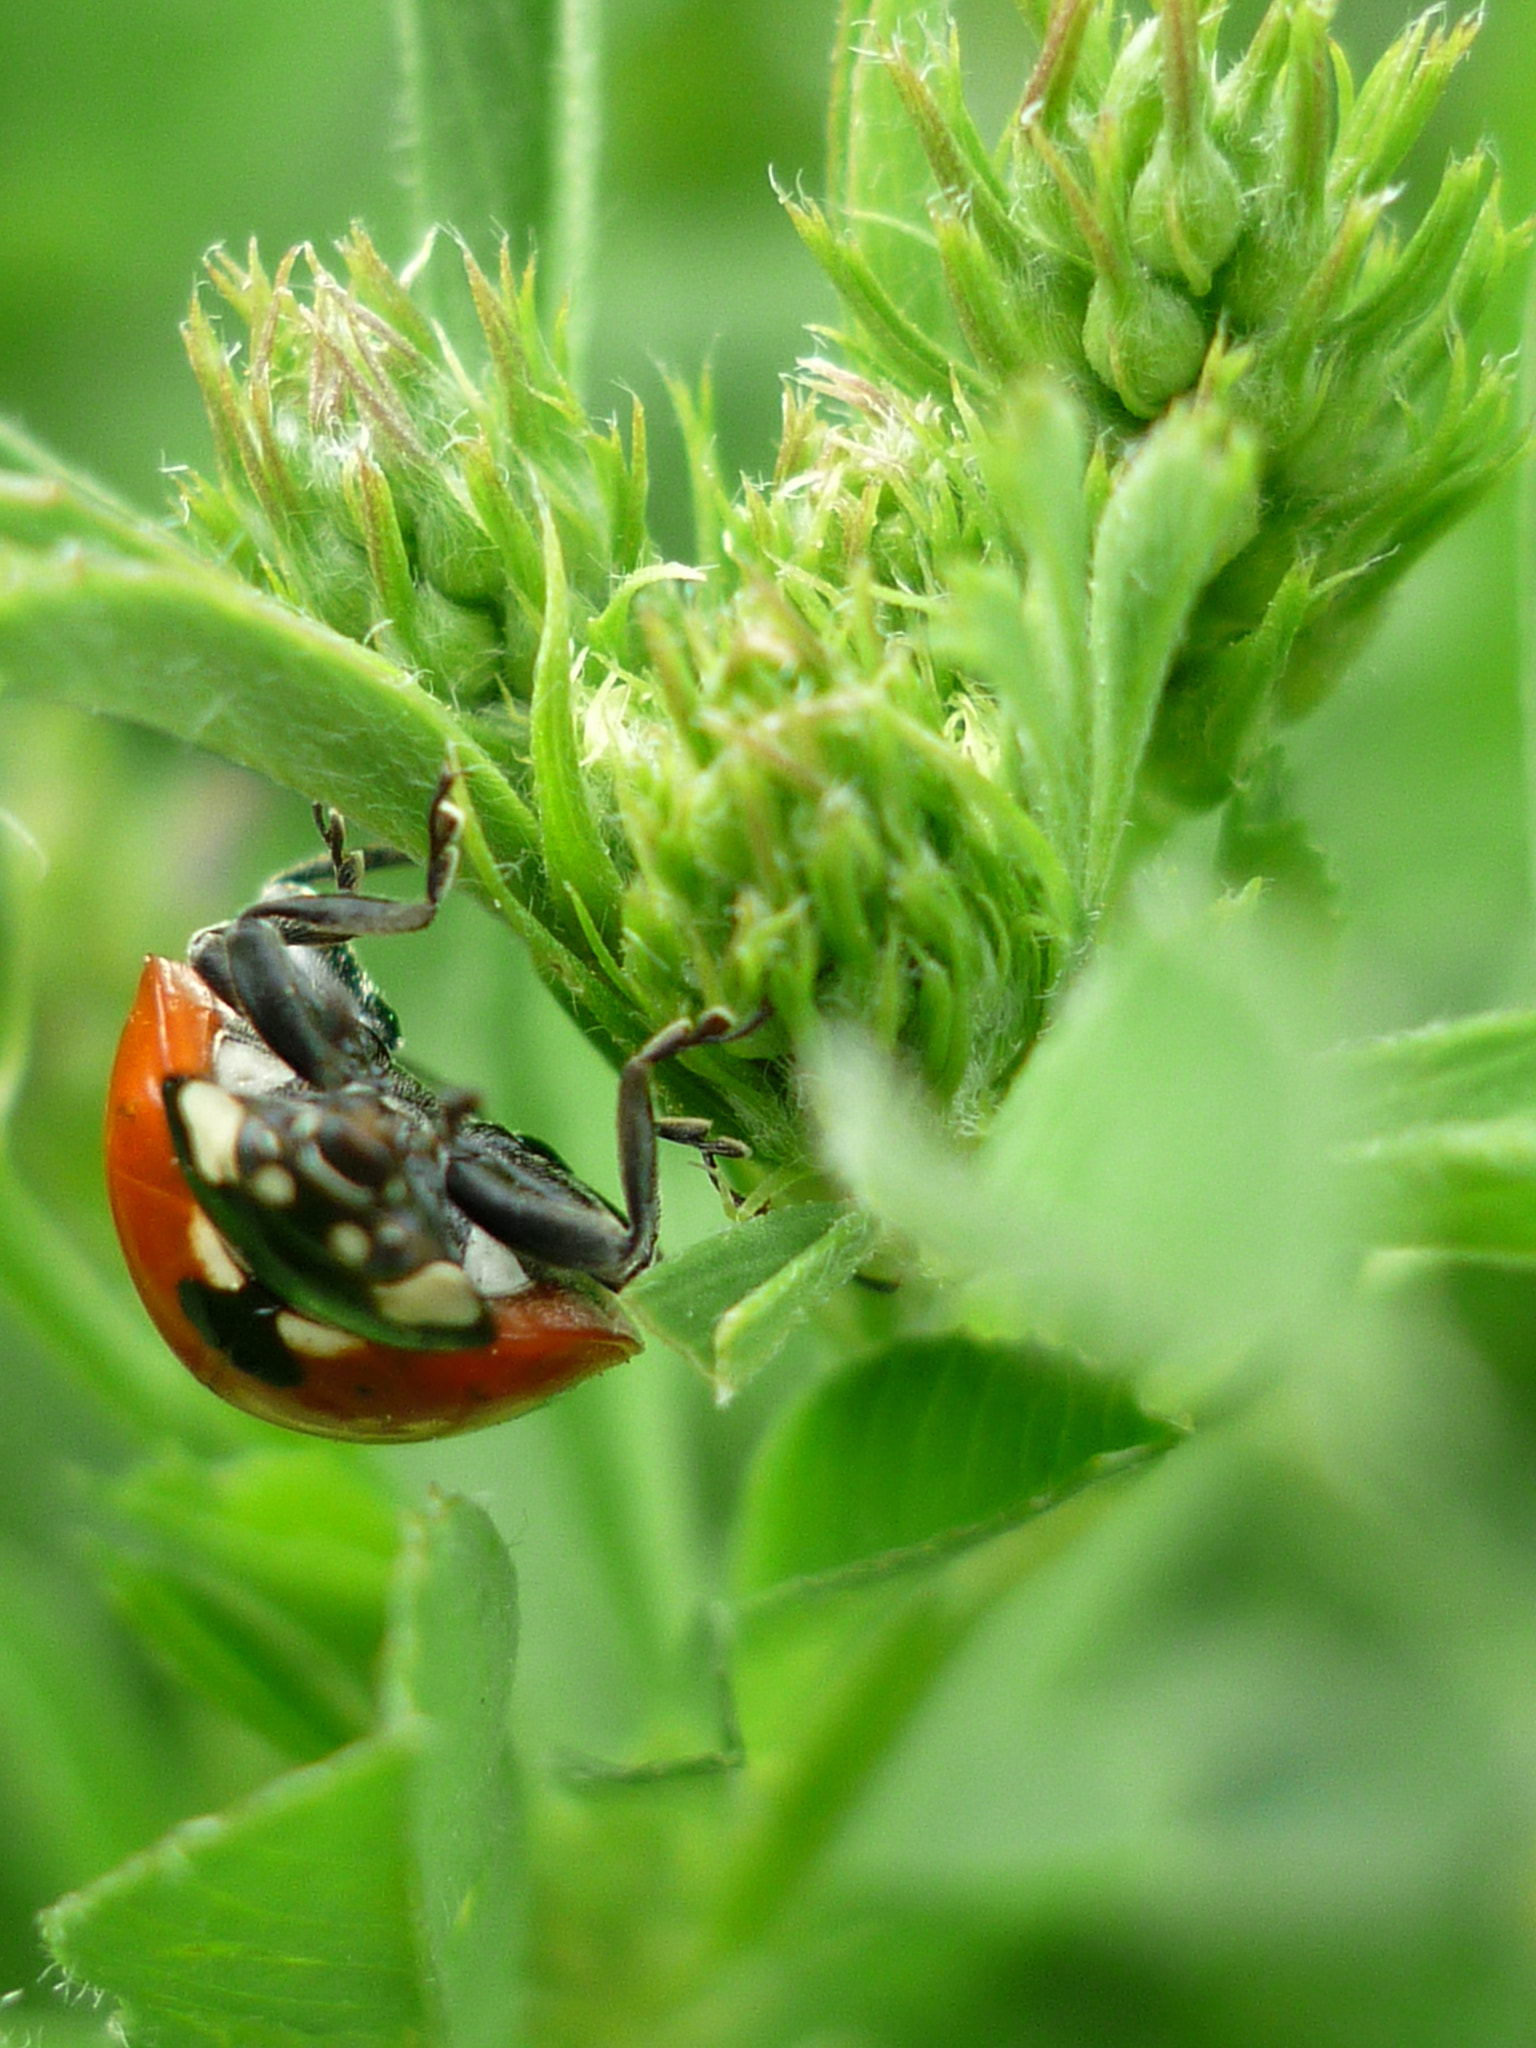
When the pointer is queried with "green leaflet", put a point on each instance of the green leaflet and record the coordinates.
(575, 858)
(1442, 1135)
(370, 1899)
(876, 169)
(261, 1583)
(1182, 507)
(929, 1443)
(729, 1303)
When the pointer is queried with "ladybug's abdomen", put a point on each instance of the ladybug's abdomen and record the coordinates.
(546, 1336)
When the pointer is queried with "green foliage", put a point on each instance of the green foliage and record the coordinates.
(371, 1897)
(261, 1584)
(729, 1305)
(1002, 1433)
(879, 761)
(1150, 220)
(1444, 1141)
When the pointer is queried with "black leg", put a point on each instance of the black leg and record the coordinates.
(639, 1127)
(332, 920)
(530, 1202)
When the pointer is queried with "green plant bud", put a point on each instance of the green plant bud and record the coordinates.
(1186, 210)
(1144, 339)
(1133, 97)
(830, 847)
(1394, 103)
(846, 873)
(454, 552)
(1108, 478)
(327, 573)
(373, 505)
(1010, 320)
(461, 648)
(1243, 98)
(1407, 287)
(383, 489)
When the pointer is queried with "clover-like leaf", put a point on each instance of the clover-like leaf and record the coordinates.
(928, 1444)
(729, 1303)
(371, 1899)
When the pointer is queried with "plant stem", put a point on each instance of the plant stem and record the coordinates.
(575, 167)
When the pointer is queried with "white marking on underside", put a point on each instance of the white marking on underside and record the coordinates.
(315, 1340)
(213, 1120)
(247, 1067)
(440, 1293)
(348, 1244)
(492, 1270)
(212, 1256)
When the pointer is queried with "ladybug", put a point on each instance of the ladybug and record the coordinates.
(321, 1237)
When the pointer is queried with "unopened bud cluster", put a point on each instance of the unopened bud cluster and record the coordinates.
(368, 479)
(1139, 415)
(1156, 218)
(824, 817)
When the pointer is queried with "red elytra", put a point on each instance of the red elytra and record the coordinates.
(547, 1336)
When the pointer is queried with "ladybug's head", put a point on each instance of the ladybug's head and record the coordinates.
(353, 1017)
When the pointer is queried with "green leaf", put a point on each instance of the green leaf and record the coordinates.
(878, 174)
(829, 1684)
(289, 1916)
(46, 2026)
(933, 1442)
(1442, 1136)
(261, 1583)
(448, 1669)
(1030, 645)
(729, 1303)
(85, 1760)
(1263, 836)
(504, 104)
(194, 653)
(1475, 1070)
(1036, 465)
(477, 78)
(43, 501)
(575, 159)
(902, 348)
(1525, 568)
(43, 511)
(370, 1900)
(1468, 1188)
(241, 1654)
(574, 854)
(1155, 1193)
(761, 1323)
(1179, 510)
(310, 1526)
(1246, 1717)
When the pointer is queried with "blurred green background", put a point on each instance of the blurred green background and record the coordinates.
(136, 133)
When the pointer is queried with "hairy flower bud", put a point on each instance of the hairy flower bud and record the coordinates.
(1154, 223)
(1137, 418)
(383, 490)
(1144, 340)
(1186, 212)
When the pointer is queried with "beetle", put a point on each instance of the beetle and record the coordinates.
(322, 1238)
